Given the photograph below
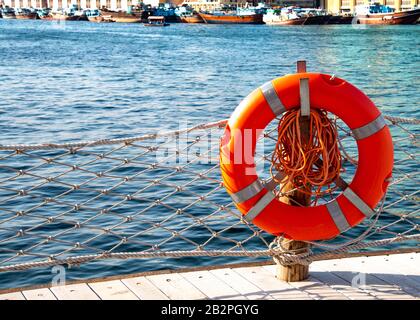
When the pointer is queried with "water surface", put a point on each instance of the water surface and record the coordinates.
(62, 82)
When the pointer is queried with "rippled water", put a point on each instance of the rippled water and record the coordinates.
(79, 80)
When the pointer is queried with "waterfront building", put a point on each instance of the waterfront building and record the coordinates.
(84, 4)
(347, 6)
(25, 3)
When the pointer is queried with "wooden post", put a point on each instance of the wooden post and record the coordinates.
(298, 272)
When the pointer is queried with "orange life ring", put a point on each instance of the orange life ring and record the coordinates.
(358, 200)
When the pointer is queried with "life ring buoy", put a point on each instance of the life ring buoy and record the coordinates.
(254, 199)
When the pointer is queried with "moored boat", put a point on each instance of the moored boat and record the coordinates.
(340, 19)
(156, 21)
(231, 18)
(167, 11)
(296, 16)
(94, 15)
(72, 13)
(191, 17)
(64, 16)
(24, 13)
(121, 16)
(382, 14)
(8, 13)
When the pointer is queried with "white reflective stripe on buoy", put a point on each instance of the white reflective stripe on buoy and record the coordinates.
(358, 202)
(259, 206)
(338, 216)
(255, 187)
(272, 183)
(248, 192)
(370, 128)
(272, 98)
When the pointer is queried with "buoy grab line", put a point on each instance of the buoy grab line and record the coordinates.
(306, 163)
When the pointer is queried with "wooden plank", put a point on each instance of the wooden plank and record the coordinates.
(407, 263)
(112, 290)
(325, 268)
(80, 291)
(174, 286)
(313, 287)
(39, 294)
(301, 66)
(354, 269)
(211, 286)
(240, 284)
(329, 266)
(274, 287)
(403, 266)
(12, 296)
(383, 269)
(342, 286)
(144, 289)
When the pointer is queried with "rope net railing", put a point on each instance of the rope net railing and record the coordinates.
(160, 196)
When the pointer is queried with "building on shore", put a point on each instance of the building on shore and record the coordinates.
(25, 3)
(333, 6)
(347, 6)
(84, 4)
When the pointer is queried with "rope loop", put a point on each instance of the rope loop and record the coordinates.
(307, 163)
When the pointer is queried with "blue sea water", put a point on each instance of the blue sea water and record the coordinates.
(70, 81)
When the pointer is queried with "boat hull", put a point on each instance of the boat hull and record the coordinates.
(403, 17)
(232, 19)
(29, 16)
(47, 18)
(156, 25)
(340, 20)
(126, 19)
(8, 16)
(317, 20)
(312, 20)
(100, 19)
(121, 17)
(290, 22)
(62, 17)
(191, 19)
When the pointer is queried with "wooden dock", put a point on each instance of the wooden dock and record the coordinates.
(383, 277)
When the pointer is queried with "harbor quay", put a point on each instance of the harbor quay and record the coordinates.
(295, 12)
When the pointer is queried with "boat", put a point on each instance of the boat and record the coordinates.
(8, 13)
(72, 13)
(383, 14)
(94, 15)
(340, 19)
(44, 14)
(121, 16)
(64, 16)
(167, 11)
(222, 17)
(191, 18)
(188, 15)
(25, 13)
(155, 21)
(296, 16)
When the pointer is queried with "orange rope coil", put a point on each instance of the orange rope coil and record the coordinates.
(307, 163)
